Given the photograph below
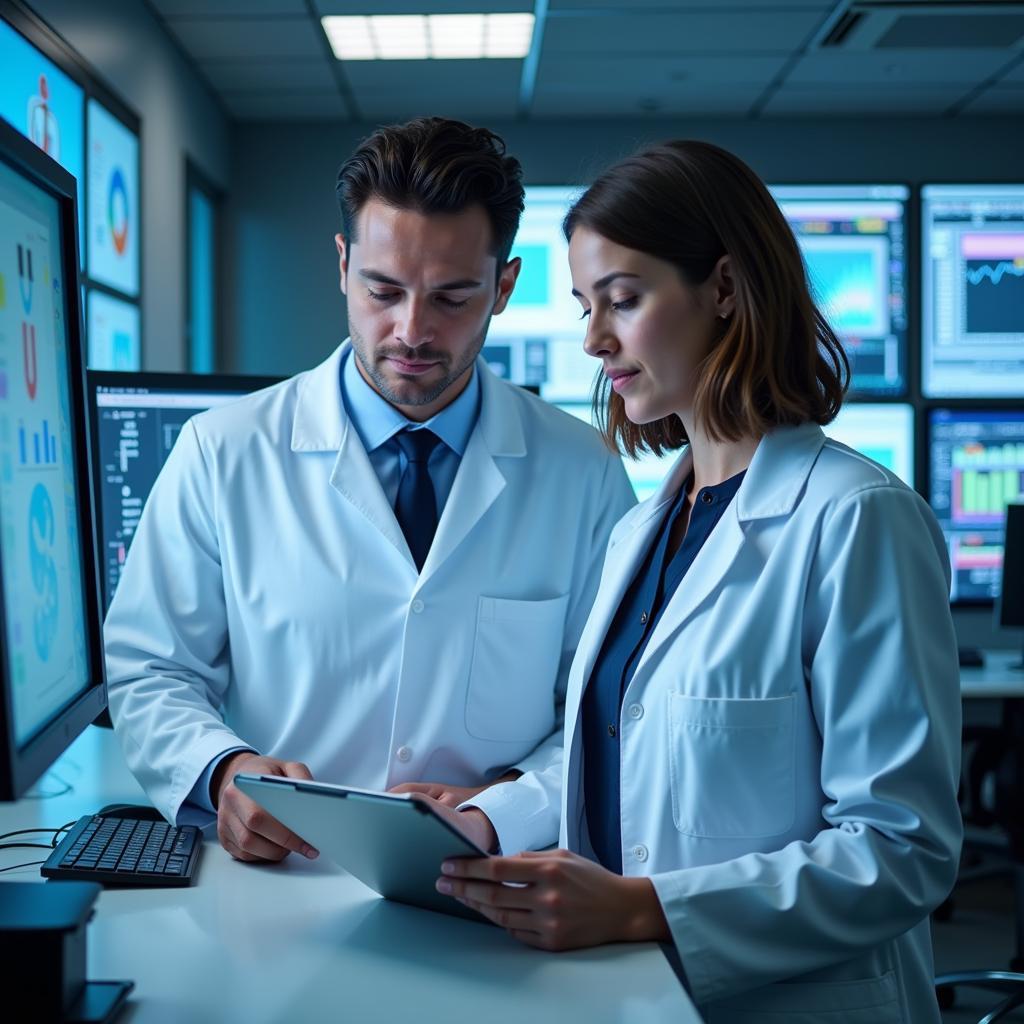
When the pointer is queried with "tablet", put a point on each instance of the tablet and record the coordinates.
(390, 841)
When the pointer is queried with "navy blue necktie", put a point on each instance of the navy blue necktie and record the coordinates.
(416, 507)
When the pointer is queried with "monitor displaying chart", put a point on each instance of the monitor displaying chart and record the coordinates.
(114, 333)
(976, 468)
(538, 339)
(113, 237)
(972, 316)
(884, 432)
(43, 103)
(853, 240)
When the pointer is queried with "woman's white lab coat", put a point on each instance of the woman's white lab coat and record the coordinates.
(789, 742)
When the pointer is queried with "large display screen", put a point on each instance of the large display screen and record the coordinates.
(113, 237)
(114, 333)
(884, 432)
(538, 339)
(972, 317)
(40, 546)
(44, 104)
(976, 468)
(853, 240)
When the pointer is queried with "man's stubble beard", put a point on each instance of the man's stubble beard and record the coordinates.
(422, 397)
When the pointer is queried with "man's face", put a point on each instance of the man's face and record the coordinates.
(421, 291)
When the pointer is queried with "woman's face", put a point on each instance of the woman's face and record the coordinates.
(649, 328)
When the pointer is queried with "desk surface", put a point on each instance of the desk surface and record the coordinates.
(306, 942)
(999, 677)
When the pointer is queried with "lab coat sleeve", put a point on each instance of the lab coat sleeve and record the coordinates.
(880, 660)
(166, 635)
(525, 813)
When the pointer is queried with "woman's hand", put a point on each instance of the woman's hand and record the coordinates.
(557, 899)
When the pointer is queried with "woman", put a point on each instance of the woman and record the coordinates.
(763, 716)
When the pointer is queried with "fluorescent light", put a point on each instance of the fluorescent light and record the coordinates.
(421, 36)
(350, 38)
(456, 35)
(508, 35)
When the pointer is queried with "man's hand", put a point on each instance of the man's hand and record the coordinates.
(557, 900)
(244, 828)
(472, 823)
(451, 796)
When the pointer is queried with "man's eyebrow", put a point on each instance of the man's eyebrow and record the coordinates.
(603, 282)
(449, 286)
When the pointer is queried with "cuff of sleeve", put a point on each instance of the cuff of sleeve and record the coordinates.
(698, 979)
(517, 815)
(200, 793)
(211, 747)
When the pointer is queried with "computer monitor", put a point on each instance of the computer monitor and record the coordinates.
(883, 431)
(135, 419)
(538, 339)
(972, 314)
(975, 469)
(1011, 592)
(853, 239)
(51, 668)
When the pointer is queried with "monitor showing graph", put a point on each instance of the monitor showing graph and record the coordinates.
(972, 317)
(136, 418)
(853, 240)
(976, 468)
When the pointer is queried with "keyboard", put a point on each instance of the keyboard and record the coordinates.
(126, 852)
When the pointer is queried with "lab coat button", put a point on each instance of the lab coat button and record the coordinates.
(417, 606)
(404, 754)
(640, 852)
(636, 711)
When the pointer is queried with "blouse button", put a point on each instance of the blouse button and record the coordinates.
(643, 618)
(707, 497)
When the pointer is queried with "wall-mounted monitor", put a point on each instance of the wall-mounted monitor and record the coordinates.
(112, 241)
(114, 332)
(853, 239)
(43, 103)
(972, 317)
(884, 432)
(975, 469)
(538, 339)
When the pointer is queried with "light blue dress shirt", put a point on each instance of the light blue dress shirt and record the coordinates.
(376, 422)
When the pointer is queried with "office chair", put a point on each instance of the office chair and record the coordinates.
(997, 764)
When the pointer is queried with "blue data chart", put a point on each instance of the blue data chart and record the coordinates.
(851, 285)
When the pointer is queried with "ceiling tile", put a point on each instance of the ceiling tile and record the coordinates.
(864, 100)
(641, 75)
(998, 100)
(215, 38)
(229, 8)
(896, 68)
(268, 75)
(281, 105)
(1015, 74)
(772, 6)
(701, 32)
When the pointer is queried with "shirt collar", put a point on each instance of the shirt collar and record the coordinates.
(377, 421)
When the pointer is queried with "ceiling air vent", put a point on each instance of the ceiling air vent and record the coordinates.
(934, 25)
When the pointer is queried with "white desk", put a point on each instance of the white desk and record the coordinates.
(997, 679)
(305, 942)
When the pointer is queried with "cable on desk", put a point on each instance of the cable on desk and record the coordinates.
(27, 864)
(68, 788)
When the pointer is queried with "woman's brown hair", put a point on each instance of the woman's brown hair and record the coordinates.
(777, 361)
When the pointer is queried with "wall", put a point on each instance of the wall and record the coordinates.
(133, 54)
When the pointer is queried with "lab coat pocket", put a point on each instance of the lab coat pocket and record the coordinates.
(732, 766)
(864, 1001)
(518, 647)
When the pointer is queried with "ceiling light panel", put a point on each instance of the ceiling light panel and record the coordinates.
(429, 36)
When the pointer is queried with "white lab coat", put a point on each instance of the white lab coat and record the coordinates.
(789, 743)
(269, 598)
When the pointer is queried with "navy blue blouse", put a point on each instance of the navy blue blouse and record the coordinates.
(631, 629)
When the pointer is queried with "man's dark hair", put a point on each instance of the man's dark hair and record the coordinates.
(434, 165)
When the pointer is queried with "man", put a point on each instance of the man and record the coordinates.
(382, 566)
